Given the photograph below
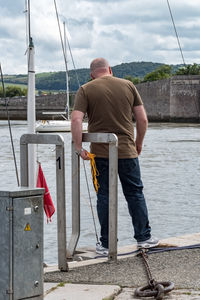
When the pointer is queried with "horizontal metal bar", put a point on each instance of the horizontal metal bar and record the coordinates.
(54, 139)
(54, 113)
(100, 138)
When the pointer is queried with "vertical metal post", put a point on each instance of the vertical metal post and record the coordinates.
(61, 210)
(31, 115)
(11, 251)
(113, 171)
(24, 164)
(75, 202)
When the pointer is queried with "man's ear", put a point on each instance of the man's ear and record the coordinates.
(110, 70)
(92, 76)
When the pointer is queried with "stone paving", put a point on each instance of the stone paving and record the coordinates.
(180, 267)
(62, 291)
(183, 294)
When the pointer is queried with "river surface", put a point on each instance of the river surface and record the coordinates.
(170, 166)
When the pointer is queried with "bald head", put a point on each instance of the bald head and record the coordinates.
(100, 67)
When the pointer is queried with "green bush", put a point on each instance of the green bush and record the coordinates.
(162, 72)
(189, 70)
(134, 80)
(12, 91)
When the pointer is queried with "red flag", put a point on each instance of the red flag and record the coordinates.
(48, 203)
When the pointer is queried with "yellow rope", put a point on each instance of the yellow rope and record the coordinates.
(94, 170)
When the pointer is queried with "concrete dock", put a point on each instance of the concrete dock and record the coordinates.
(98, 279)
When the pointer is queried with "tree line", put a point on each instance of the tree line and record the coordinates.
(165, 72)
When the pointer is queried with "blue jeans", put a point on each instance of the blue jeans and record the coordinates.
(129, 174)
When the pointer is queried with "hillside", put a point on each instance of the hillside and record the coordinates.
(55, 81)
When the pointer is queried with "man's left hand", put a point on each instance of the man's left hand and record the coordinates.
(138, 148)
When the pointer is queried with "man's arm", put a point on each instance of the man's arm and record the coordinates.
(76, 129)
(141, 126)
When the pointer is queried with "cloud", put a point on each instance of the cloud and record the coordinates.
(121, 31)
(10, 7)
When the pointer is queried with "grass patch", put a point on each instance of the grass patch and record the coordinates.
(109, 298)
(61, 284)
(187, 293)
(22, 86)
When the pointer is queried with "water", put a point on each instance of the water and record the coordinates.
(170, 166)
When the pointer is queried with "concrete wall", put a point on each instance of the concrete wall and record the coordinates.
(175, 99)
(156, 98)
(18, 106)
(185, 98)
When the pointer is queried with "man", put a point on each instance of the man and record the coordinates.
(110, 104)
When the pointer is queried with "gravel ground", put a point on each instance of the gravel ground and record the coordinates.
(182, 267)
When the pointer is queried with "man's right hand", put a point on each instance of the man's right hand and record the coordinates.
(84, 155)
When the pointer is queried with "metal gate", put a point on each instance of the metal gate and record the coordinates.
(112, 140)
(57, 140)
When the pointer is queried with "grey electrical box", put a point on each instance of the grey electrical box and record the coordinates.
(21, 244)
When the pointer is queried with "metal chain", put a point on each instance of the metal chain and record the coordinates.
(154, 289)
(143, 253)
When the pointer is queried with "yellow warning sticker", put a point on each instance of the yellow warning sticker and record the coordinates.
(27, 228)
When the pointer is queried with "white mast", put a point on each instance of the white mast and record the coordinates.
(67, 74)
(31, 106)
(64, 49)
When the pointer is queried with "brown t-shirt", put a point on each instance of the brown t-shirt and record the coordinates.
(108, 102)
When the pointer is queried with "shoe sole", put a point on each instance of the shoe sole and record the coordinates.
(147, 246)
(104, 254)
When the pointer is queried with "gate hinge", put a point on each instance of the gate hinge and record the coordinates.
(9, 291)
(10, 208)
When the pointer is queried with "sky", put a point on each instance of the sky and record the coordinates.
(121, 31)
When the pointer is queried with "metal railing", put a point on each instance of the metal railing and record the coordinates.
(57, 140)
(112, 140)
